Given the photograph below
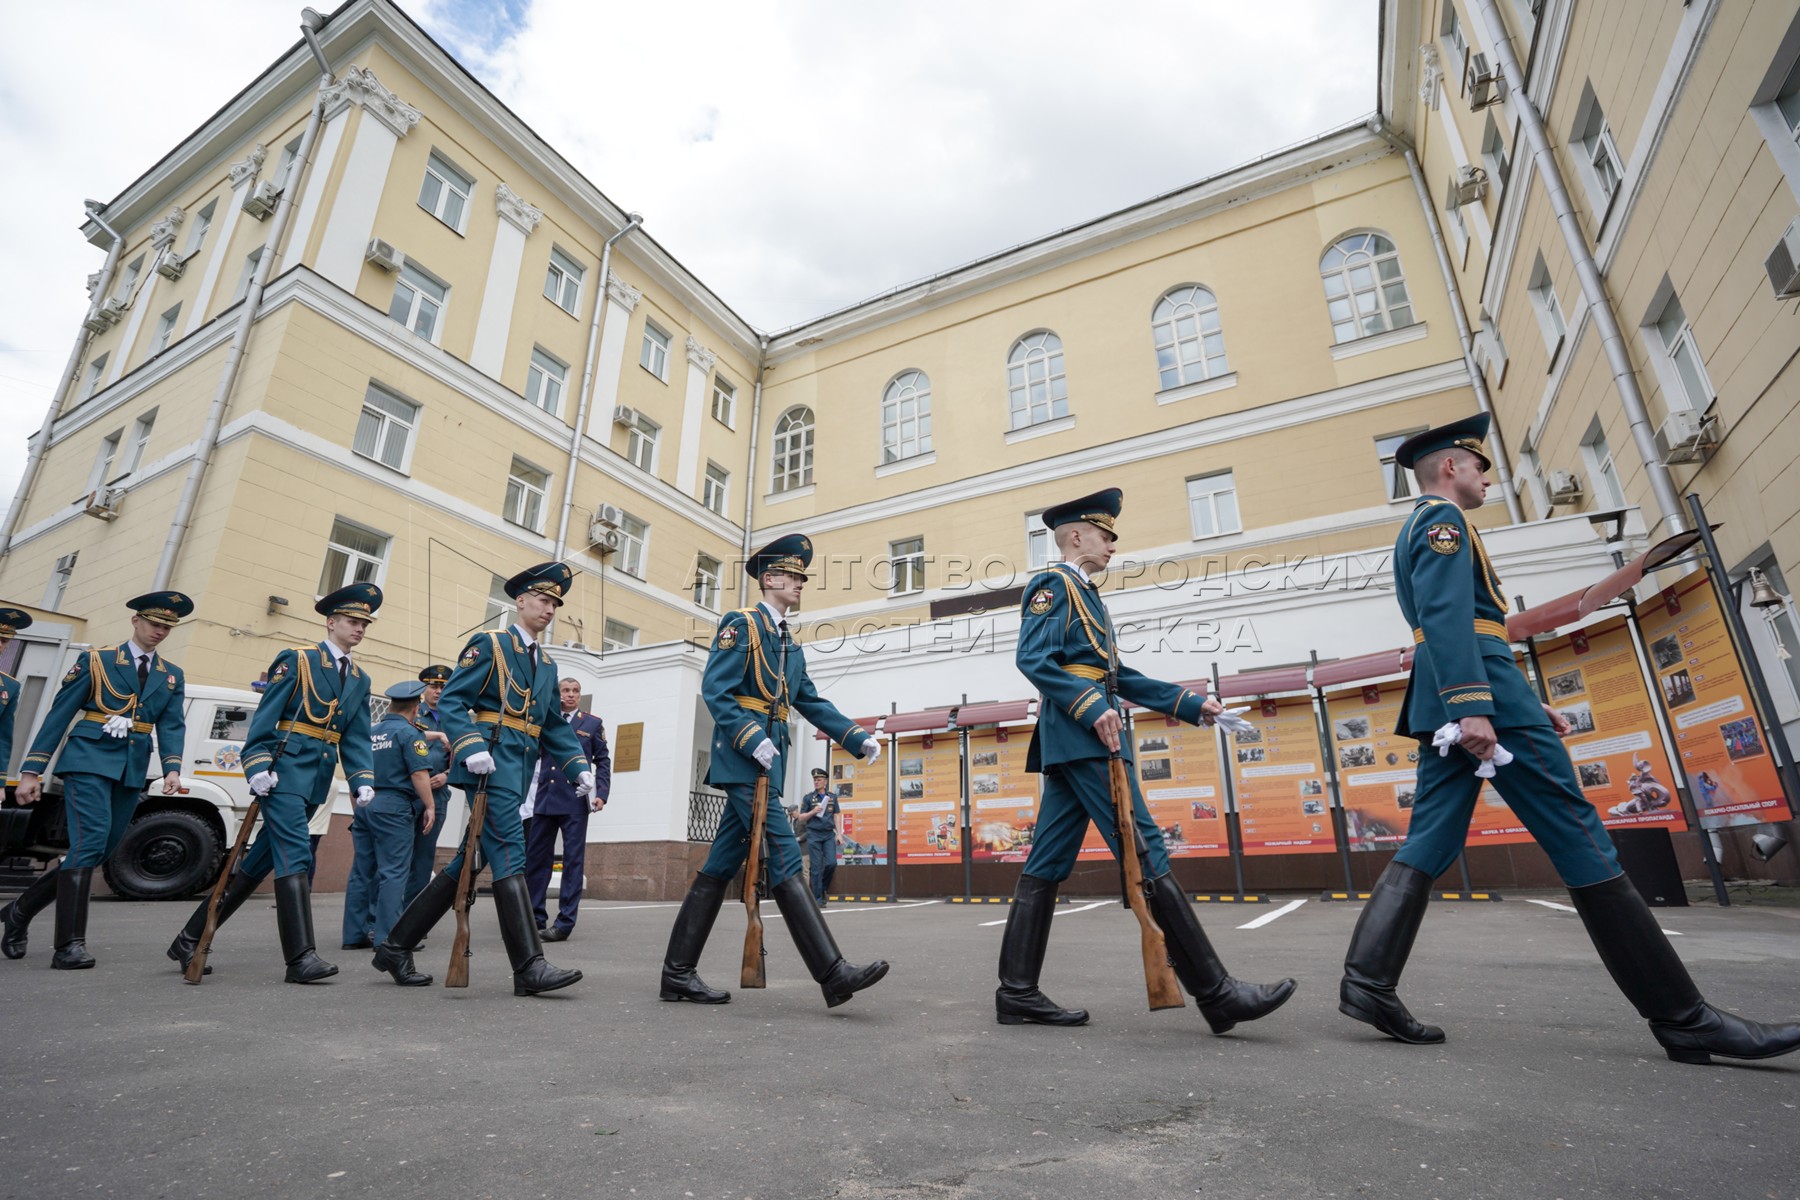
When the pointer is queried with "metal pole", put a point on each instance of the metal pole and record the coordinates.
(1339, 827)
(1234, 836)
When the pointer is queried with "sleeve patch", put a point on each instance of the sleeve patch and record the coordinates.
(280, 671)
(419, 746)
(728, 637)
(1040, 602)
(73, 672)
(471, 655)
(1445, 537)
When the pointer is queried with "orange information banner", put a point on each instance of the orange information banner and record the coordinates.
(928, 819)
(862, 790)
(1280, 782)
(1377, 767)
(1717, 736)
(1003, 796)
(1178, 772)
(1593, 676)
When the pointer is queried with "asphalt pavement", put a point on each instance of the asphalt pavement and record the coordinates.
(124, 1081)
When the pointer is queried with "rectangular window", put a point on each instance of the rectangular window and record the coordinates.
(1398, 480)
(617, 635)
(907, 559)
(640, 443)
(91, 381)
(1606, 491)
(654, 355)
(128, 281)
(1040, 543)
(1787, 100)
(634, 540)
(285, 167)
(713, 488)
(59, 580)
(140, 438)
(706, 581)
(202, 223)
(1459, 230)
(1212, 505)
(525, 489)
(1493, 152)
(104, 459)
(165, 329)
(1677, 338)
(384, 431)
(562, 281)
(249, 273)
(418, 302)
(545, 380)
(500, 606)
(353, 554)
(1451, 30)
(1549, 312)
(1593, 143)
(724, 403)
(445, 191)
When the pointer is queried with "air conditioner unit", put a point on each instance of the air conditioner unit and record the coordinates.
(609, 516)
(262, 199)
(1565, 486)
(1481, 83)
(608, 541)
(113, 311)
(1685, 437)
(1783, 263)
(383, 255)
(103, 503)
(100, 322)
(1467, 186)
(624, 414)
(170, 266)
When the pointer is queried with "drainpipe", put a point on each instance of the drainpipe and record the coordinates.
(240, 337)
(1478, 381)
(632, 221)
(762, 357)
(40, 441)
(1593, 288)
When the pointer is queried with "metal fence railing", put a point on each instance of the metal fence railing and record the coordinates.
(705, 810)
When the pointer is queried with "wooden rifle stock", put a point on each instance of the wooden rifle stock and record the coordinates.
(1159, 977)
(753, 974)
(456, 975)
(196, 967)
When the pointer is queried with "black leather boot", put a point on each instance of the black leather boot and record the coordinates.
(1378, 952)
(16, 917)
(693, 924)
(1017, 1001)
(293, 916)
(518, 929)
(1222, 1000)
(1638, 956)
(428, 908)
(240, 889)
(838, 979)
(71, 920)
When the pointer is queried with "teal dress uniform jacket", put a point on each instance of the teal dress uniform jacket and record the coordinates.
(102, 684)
(306, 719)
(496, 694)
(9, 711)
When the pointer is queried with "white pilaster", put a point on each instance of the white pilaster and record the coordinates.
(243, 175)
(306, 208)
(621, 299)
(693, 411)
(385, 120)
(517, 221)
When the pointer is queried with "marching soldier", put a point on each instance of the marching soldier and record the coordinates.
(314, 711)
(11, 621)
(501, 712)
(1465, 692)
(425, 845)
(754, 674)
(120, 693)
(1067, 650)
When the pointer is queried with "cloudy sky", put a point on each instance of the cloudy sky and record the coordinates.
(797, 156)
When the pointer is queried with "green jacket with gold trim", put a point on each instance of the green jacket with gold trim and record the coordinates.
(103, 683)
(495, 701)
(324, 725)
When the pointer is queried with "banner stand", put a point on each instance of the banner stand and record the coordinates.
(1340, 827)
(1234, 837)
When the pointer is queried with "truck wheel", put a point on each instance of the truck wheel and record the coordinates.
(165, 855)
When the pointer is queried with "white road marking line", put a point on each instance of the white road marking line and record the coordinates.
(1283, 911)
(1572, 908)
(627, 907)
(882, 907)
(1057, 912)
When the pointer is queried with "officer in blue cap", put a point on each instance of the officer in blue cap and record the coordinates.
(401, 812)
(430, 719)
(501, 712)
(313, 714)
(1068, 650)
(11, 621)
(753, 676)
(114, 697)
(1466, 692)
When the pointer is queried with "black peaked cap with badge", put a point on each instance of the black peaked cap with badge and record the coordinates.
(791, 553)
(12, 620)
(1100, 508)
(435, 673)
(161, 608)
(1469, 434)
(550, 579)
(358, 600)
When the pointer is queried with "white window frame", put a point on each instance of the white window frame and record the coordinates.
(202, 224)
(1396, 481)
(1035, 362)
(251, 260)
(284, 167)
(1494, 152)
(634, 545)
(1040, 543)
(523, 495)
(724, 402)
(500, 606)
(906, 416)
(1670, 333)
(617, 635)
(104, 457)
(906, 567)
(641, 437)
(546, 378)
(791, 451)
(1531, 473)
(1188, 335)
(708, 581)
(141, 430)
(91, 381)
(1551, 323)
(452, 182)
(1459, 229)
(1602, 168)
(416, 284)
(1450, 28)
(653, 354)
(1203, 492)
(352, 557)
(1775, 107)
(563, 278)
(1603, 472)
(128, 280)
(1362, 273)
(391, 422)
(715, 487)
(165, 330)
(58, 582)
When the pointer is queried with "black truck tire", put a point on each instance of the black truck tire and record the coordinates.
(166, 854)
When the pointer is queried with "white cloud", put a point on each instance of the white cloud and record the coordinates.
(796, 156)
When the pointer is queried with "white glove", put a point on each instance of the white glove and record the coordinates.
(585, 787)
(117, 726)
(871, 750)
(1451, 735)
(364, 795)
(263, 782)
(479, 763)
(1230, 722)
(764, 753)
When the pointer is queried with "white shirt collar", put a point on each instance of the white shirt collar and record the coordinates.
(337, 656)
(774, 613)
(1080, 570)
(519, 632)
(136, 651)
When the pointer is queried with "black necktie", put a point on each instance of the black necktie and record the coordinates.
(531, 653)
(784, 633)
(343, 672)
(143, 671)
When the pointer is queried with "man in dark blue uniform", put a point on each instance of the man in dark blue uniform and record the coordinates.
(314, 708)
(502, 713)
(754, 674)
(424, 855)
(818, 817)
(1067, 649)
(1465, 686)
(402, 804)
(557, 809)
(120, 695)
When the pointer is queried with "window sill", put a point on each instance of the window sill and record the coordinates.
(662, 379)
(376, 462)
(1555, 349)
(791, 494)
(1379, 341)
(447, 225)
(722, 421)
(1202, 387)
(912, 595)
(576, 317)
(909, 463)
(1213, 537)
(1041, 429)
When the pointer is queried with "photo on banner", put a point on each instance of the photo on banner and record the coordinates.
(1178, 773)
(1279, 780)
(862, 790)
(1377, 767)
(928, 816)
(1003, 796)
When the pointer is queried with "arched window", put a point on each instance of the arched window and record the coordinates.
(1364, 288)
(1190, 346)
(793, 450)
(1035, 385)
(906, 417)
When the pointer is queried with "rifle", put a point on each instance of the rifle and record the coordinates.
(756, 865)
(1159, 976)
(457, 974)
